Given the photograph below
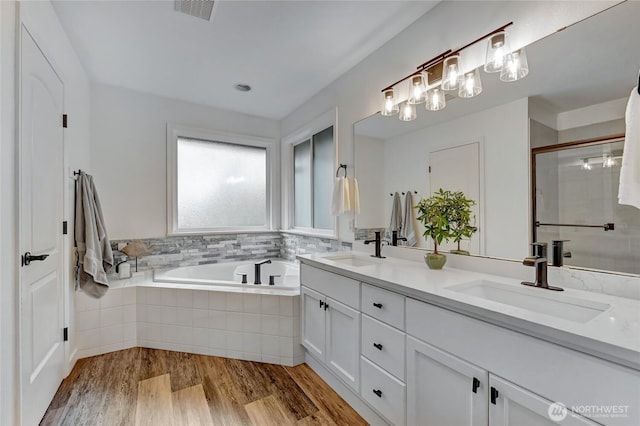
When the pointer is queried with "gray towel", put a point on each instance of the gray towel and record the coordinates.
(408, 229)
(396, 215)
(94, 255)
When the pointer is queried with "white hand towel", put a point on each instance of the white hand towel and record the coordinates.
(396, 214)
(629, 189)
(354, 196)
(340, 203)
(408, 230)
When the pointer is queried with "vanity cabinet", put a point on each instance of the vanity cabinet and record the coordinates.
(331, 328)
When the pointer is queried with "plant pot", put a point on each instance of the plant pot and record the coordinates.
(462, 252)
(435, 261)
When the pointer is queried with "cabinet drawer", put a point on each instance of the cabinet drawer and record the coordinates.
(383, 305)
(340, 288)
(383, 345)
(383, 392)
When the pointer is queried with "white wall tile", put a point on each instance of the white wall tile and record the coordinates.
(235, 354)
(217, 300)
(141, 295)
(252, 303)
(200, 318)
(110, 335)
(168, 314)
(234, 302)
(200, 337)
(154, 313)
(88, 339)
(129, 296)
(250, 356)
(86, 320)
(285, 327)
(112, 298)
(112, 348)
(251, 342)
(154, 296)
(286, 306)
(218, 320)
(129, 313)
(235, 321)
(218, 339)
(270, 305)
(111, 316)
(129, 332)
(217, 352)
(168, 296)
(184, 298)
(270, 359)
(184, 317)
(234, 341)
(251, 323)
(86, 303)
(269, 324)
(200, 299)
(286, 347)
(270, 346)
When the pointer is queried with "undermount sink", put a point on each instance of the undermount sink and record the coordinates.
(352, 260)
(534, 299)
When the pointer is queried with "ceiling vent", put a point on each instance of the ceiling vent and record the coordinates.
(199, 8)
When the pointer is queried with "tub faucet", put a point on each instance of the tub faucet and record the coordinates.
(539, 260)
(256, 277)
(378, 248)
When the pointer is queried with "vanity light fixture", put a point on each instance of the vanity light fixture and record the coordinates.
(608, 161)
(444, 73)
(389, 105)
(585, 164)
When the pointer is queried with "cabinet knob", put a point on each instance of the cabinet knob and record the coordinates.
(475, 385)
(378, 305)
(378, 392)
(378, 346)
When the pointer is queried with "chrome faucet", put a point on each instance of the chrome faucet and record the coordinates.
(539, 260)
(256, 276)
(378, 248)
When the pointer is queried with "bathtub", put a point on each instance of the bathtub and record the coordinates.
(286, 276)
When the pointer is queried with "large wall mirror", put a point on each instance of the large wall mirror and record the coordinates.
(579, 82)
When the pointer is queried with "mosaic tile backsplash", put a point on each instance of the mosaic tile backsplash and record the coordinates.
(190, 250)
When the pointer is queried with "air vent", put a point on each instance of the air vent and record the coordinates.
(199, 8)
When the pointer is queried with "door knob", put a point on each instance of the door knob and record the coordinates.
(27, 258)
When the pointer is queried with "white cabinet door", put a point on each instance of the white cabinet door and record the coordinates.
(443, 389)
(313, 322)
(515, 406)
(343, 342)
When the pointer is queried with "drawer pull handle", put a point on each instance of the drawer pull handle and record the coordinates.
(378, 346)
(321, 304)
(378, 392)
(476, 385)
(494, 395)
(378, 305)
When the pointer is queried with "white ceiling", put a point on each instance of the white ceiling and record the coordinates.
(590, 62)
(286, 50)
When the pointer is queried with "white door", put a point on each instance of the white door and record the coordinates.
(343, 342)
(443, 389)
(313, 323)
(515, 406)
(458, 169)
(41, 198)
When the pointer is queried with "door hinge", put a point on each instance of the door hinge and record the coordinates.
(64, 228)
(429, 169)
(64, 120)
(65, 334)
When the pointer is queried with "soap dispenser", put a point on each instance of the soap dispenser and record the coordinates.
(123, 269)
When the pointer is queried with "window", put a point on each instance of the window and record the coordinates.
(313, 168)
(217, 183)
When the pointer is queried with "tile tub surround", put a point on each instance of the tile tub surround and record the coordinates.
(189, 250)
(250, 327)
(295, 244)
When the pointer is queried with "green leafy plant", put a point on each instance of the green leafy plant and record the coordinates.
(446, 215)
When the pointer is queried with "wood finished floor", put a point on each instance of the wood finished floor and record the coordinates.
(142, 386)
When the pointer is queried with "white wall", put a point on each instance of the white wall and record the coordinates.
(503, 133)
(356, 93)
(42, 22)
(128, 149)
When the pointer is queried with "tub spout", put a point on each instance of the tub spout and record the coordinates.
(257, 266)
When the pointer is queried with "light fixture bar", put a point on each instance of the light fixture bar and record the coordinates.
(441, 57)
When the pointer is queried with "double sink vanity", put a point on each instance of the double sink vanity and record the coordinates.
(407, 345)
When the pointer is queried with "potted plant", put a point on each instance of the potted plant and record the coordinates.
(434, 213)
(460, 220)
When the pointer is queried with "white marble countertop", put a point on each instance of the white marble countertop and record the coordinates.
(613, 335)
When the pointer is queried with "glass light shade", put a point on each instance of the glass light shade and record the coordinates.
(515, 66)
(451, 73)
(497, 48)
(585, 164)
(417, 90)
(471, 85)
(435, 100)
(389, 105)
(408, 112)
(608, 161)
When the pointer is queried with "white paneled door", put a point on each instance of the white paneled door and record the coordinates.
(41, 197)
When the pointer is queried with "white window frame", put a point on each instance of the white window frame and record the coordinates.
(175, 131)
(328, 119)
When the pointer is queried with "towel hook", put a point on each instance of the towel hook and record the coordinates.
(342, 166)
